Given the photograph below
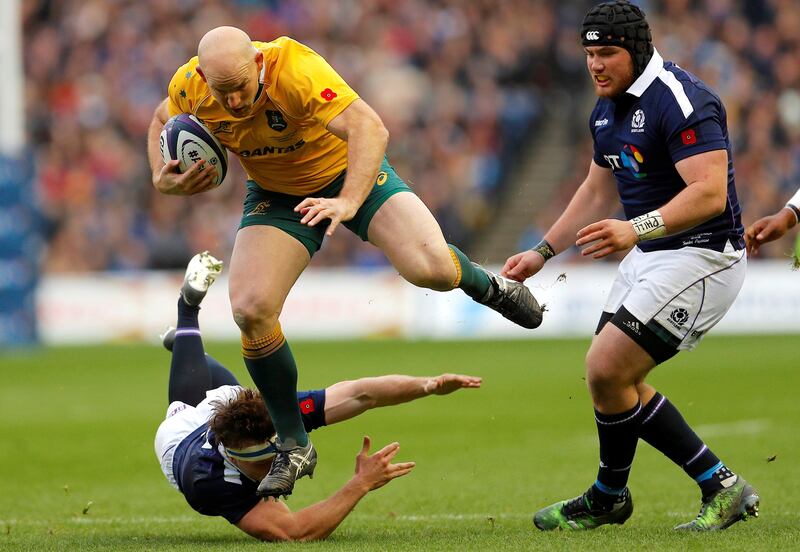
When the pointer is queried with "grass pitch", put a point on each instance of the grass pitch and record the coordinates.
(79, 472)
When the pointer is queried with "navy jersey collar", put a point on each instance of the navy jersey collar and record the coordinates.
(647, 77)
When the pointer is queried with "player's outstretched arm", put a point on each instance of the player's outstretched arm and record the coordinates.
(273, 521)
(596, 198)
(347, 399)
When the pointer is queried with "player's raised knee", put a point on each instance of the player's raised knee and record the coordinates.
(252, 314)
(438, 275)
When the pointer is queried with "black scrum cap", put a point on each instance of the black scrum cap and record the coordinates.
(622, 24)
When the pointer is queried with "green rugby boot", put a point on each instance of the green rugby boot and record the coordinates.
(725, 507)
(580, 513)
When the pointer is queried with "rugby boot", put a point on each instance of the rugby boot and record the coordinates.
(287, 467)
(582, 513)
(513, 300)
(725, 507)
(201, 272)
(168, 338)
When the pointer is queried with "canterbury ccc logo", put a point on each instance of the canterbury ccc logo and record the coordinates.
(593, 35)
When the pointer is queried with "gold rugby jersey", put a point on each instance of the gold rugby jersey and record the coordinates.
(283, 143)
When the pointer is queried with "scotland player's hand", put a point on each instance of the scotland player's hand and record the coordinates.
(448, 383)
(317, 209)
(196, 179)
(522, 265)
(376, 470)
(606, 237)
(768, 229)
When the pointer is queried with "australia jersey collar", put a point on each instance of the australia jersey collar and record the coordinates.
(647, 77)
(261, 81)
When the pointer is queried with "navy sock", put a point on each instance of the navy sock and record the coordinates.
(271, 365)
(618, 435)
(189, 377)
(219, 374)
(664, 428)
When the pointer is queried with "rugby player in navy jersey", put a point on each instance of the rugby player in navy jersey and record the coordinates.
(661, 147)
(217, 441)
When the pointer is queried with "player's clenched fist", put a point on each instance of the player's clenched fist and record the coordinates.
(523, 265)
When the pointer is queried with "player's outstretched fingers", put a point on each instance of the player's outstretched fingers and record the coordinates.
(332, 226)
(305, 205)
(365, 446)
(447, 383)
(401, 469)
(388, 452)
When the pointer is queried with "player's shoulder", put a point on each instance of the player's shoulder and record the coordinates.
(282, 46)
(681, 91)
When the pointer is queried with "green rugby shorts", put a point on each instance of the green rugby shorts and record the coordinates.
(262, 207)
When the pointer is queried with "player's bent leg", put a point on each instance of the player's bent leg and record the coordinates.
(615, 364)
(189, 376)
(265, 264)
(405, 230)
(408, 234)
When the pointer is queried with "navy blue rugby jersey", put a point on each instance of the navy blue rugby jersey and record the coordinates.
(216, 488)
(666, 115)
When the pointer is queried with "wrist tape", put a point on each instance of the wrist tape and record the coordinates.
(649, 226)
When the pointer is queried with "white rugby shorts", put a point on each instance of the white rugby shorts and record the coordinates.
(686, 291)
(181, 420)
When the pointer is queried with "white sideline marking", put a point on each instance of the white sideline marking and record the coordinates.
(192, 519)
(412, 518)
(743, 427)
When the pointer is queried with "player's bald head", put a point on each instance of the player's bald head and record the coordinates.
(224, 52)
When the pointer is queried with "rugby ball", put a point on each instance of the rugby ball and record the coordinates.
(187, 140)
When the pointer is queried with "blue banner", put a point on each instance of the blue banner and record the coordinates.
(20, 244)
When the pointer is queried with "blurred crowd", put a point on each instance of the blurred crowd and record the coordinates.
(460, 85)
(748, 51)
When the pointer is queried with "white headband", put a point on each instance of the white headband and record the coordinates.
(254, 453)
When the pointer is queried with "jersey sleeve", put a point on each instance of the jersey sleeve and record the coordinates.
(700, 131)
(312, 408)
(309, 88)
(217, 497)
(178, 101)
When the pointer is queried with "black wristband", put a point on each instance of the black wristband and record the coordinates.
(544, 249)
(795, 210)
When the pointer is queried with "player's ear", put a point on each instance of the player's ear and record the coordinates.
(260, 60)
(200, 72)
